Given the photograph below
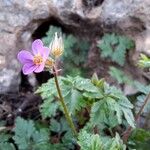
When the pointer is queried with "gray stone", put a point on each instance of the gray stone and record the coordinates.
(20, 18)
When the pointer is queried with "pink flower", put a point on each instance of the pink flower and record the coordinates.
(34, 62)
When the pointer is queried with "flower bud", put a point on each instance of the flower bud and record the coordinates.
(49, 63)
(57, 46)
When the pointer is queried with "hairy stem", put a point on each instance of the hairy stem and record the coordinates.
(129, 129)
(66, 112)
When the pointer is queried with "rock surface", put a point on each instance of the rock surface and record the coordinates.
(20, 18)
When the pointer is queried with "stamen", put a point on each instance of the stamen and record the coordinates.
(37, 60)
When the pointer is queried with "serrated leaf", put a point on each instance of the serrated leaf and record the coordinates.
(27, 137)
(120, 76)
(112, 108)
(139, 139)
(129, 117)
(7, 146)
(55, 126)
(115, 47)
(92, 95)
(41, 137)
(89, 141)
(107, 50)
(23, 132)
(48, 108)
(75, 101)
(84, 84)
(116, 144)
(142, 88)
(119, 54)
(4, 137)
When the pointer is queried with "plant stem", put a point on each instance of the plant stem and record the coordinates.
(66, 112)
(142, 108)
(129, 129)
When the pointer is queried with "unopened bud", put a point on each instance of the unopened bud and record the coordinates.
(57, 46)
(49, 63)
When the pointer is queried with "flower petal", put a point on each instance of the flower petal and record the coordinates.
(28, 68)
(25, 57)
(37, 47)
(45, 52)
(40, 68)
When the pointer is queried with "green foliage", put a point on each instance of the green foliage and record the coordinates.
(108, 105)
(74, 91)
(122, 78)
(75, 51)
(61, 128)
(141, 87)
(27, 137)
(115, 47)
(116, 144)
(94, 105)
(112, 108)
(49, 94)
(139, 139)
(4, 142)
(144, 61)
(144, 90)
(119, 75)
(89, 141)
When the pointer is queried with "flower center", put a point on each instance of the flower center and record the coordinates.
(37, 60)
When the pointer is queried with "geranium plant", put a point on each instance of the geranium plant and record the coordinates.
(77, 112)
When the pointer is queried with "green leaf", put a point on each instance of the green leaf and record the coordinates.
(74, 91)
(48, 108)
(55, 126)
(101, 114)
(112, 108)
(75, 101)
(41, 137)
(6, 146)
(139, 139)
(27, 137)
(89, 141)
(23, 132)
(83, 84)
(115, 144)
(129, 116)
(5, 143)
(61, 127)
(115, 47)
(144, 61)
(141, 87)
(4, 137)
(120, 76)
(107, 50)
